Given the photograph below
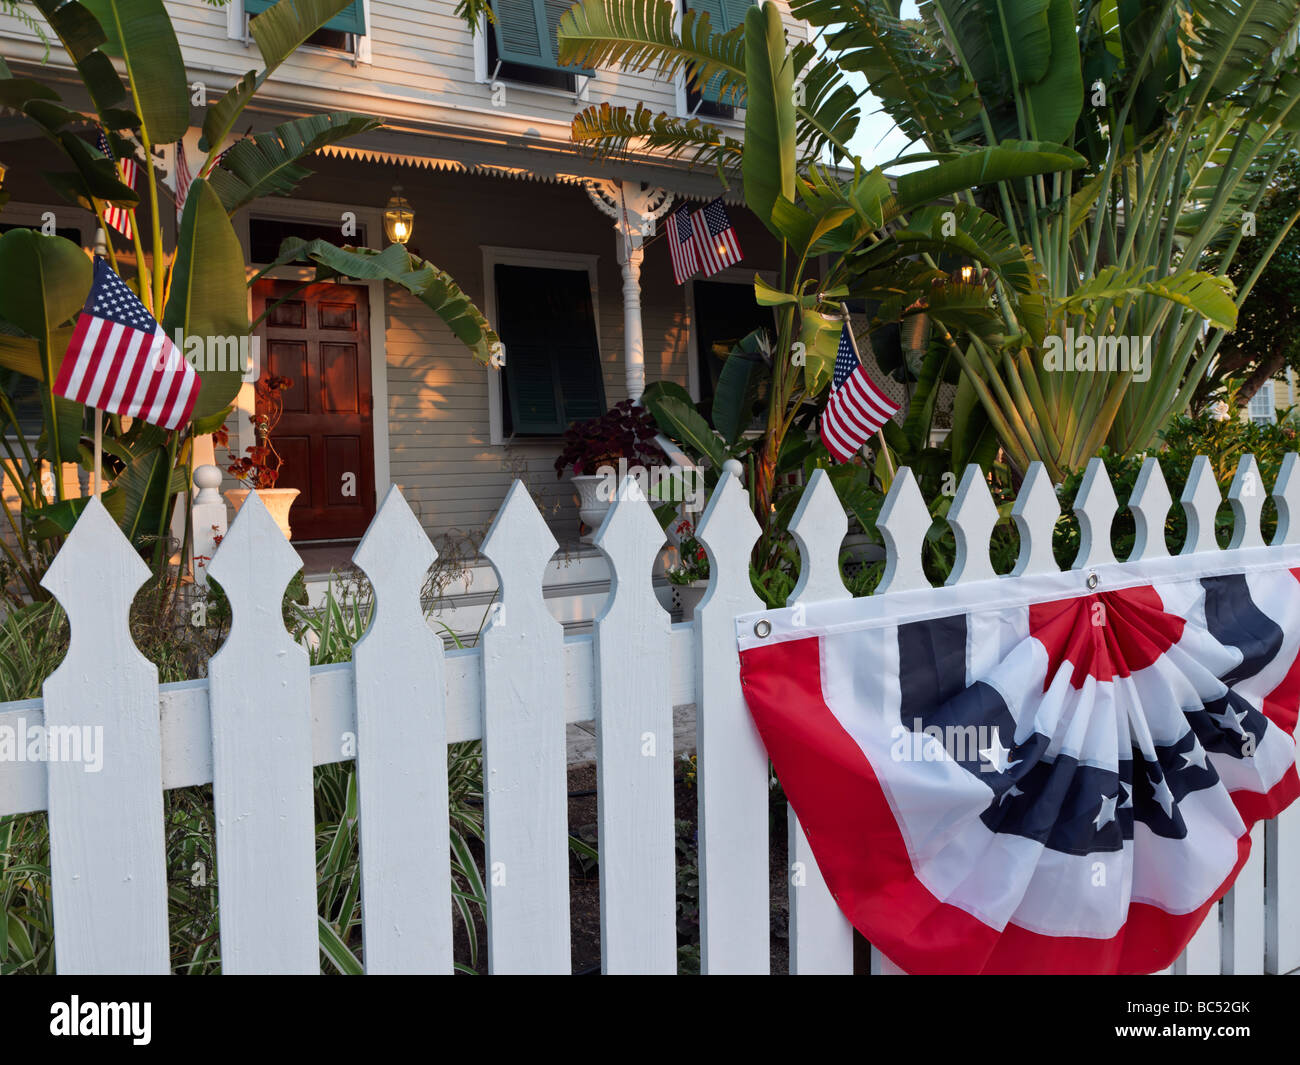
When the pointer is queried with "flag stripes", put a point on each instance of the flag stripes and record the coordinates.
(121, 360)
(716, 245)
(681, 244)
(120, 218)
(856, 408)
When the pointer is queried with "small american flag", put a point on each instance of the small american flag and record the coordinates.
(120, 359)
(183, 179)
(119, 217)
(857, 408)
(681, 245)
(716, 245)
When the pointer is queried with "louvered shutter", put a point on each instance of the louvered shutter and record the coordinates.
(352, 19)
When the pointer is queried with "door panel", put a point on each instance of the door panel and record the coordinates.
(320, 339)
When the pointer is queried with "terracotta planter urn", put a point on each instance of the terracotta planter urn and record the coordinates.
(277, 500)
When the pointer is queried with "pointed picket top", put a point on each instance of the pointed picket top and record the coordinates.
(972, 517)
(728, 532)
(254, 563)
(1286, 494)
(1201, 499)
(904, 520)
(96, 566)
(630, 537)
(1150, 503)
(819, 527)
(1246, 497)
(1035, 513)
(519, 545)
(395, 554)
(1095, 507)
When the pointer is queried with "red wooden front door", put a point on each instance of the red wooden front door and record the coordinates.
(319, 338)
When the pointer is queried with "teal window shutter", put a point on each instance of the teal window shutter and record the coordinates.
(724, 16)
(526, 33)
(352, 19)
(552, 372)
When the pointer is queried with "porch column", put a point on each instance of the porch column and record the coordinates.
(634, 207)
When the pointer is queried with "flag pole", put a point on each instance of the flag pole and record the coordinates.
(99, 451)
(884, 447)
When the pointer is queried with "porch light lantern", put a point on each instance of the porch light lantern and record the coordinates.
(399, 218)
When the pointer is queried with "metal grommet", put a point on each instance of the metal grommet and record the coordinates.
(762, 629)
(1093, 580)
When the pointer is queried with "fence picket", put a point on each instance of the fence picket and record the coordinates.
(401, 692)
(1150, 503)
(821, 938)
(1204, 954)
(634, 749)
(904, 520)
(972, 517)
(107, 851)
(1286, 495)
(1246, 497)
(733, 767)
(524, 781)
(1200, 499)
(1243, 914)
(262, 759)
(1095, 507)
(1282, 901)
(1035, 514)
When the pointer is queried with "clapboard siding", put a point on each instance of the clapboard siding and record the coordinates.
(422, 69)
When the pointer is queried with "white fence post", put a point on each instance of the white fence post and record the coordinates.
(525, 785)
(107, 851)
(821, 938)
(262, 759)
(1243, 914)
(733, 769)
(634, 748)
(208, 521)
(402, 755)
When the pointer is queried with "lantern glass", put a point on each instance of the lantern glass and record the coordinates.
(399, 218)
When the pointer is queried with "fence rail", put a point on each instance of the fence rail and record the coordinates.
(264, 717)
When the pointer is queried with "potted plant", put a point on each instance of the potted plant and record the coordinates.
(690, 576)
(259, 469)
(594, 448)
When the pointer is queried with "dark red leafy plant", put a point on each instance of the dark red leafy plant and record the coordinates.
(260, 466)
(624, 432)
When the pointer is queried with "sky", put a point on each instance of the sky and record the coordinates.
(878, 140)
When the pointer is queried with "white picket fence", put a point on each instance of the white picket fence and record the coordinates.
(264, 717)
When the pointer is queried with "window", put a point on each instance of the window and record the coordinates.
(552, 372)
(523, 40)
(338, 33)
(265, 235)
(1262, 407)
(724, 16)
(724, 314)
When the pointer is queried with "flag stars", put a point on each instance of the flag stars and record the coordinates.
(1107, 812)
(996, 754)
(1194, 757)
(1163, 795)
(1127, 804)
(1231, 719)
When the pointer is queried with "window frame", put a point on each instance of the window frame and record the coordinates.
(237, 30)
(494, 256)
(484, 75)
(1269, 416)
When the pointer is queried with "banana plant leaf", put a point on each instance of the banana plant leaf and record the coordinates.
(44, 281)
(208, 295)
(435, 288)
(140, 32)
